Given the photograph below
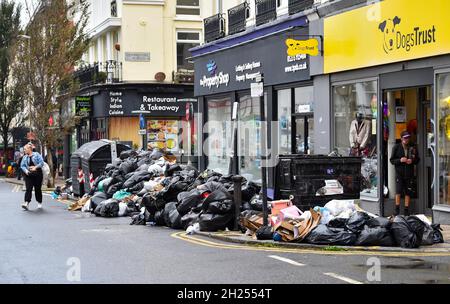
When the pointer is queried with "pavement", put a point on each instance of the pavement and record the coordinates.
(53, 245)
(58, 182)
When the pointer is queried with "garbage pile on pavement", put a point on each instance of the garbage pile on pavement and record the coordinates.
(153, 189)
(341, 222)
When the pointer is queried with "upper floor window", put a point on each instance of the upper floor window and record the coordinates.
(185, 41)
(188, 7)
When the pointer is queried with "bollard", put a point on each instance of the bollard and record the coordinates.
(237, 186)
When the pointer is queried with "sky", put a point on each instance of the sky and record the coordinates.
(24, 14)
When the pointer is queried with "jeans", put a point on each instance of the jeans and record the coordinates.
(34, 180)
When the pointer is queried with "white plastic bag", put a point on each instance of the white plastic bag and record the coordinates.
(45, 173)
(155, 169)
(87, 206)
(122, 209)
(336, 207)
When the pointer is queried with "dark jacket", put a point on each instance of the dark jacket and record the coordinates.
(403, 169)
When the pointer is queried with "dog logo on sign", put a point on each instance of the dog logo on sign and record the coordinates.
(387, 27)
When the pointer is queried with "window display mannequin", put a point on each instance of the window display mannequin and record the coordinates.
(359, 135)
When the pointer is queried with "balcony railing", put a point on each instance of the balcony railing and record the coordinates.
(214, 27)
(98, 73)
(237, 17)
(296, 6)
(113, 8)
(266, 11)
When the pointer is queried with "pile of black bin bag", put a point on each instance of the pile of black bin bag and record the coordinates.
(362, 230)
(187, 196)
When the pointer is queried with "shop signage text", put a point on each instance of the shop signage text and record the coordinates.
(115, 103)
(83, 106)
(155, 104)
(237, 67)
(244, 68)
(402, 30)
(302, 47)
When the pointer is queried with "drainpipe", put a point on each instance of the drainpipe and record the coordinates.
(219, 6)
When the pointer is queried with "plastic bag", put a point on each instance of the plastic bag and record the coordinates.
(189, 219)
(323, 235)
(377, 236)
(188, 200)
(264, 233)
(357, 221)
(223, 207)
(338, 222)
(97, 198)
(171, 215)
(121, 194)
(215, 222)
(325, 213)
(336, 207)
(437, 236)
(123, 209)
(108, 208)
(407, 232)
(87, 206)
(379, 222)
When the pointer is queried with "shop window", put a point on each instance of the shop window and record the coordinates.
(355, 131)
(443, 140)
(171, 136)
(284, 121)
(249, 135)
(186, 41)
(188, 7)
(218, 145)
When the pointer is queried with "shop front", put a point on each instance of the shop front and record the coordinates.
(225, 72)
(386, 76)
(143, 116)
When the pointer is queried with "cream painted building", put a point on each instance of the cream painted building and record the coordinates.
(149, 36)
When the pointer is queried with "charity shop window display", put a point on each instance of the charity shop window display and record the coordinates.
(355, 128)
(443, 140)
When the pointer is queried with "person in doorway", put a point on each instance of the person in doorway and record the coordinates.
(404, 157)
(359, 135)
(31, 167)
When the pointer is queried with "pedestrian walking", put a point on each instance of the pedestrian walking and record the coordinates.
(404, 157)
(18, 159)
(31, 166)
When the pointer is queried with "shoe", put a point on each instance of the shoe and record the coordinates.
(397, 210)
(25, 206)
(39, 206)
(406, 211)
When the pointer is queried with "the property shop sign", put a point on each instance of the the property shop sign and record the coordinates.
(236, 68)
(132, 103)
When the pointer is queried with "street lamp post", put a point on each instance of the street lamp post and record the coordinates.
(28, 38)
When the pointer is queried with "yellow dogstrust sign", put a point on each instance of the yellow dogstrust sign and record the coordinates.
(386, 32)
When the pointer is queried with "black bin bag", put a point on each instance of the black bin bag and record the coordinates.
(408, 231)
(376, 236)
(323, 235)
(215, 222)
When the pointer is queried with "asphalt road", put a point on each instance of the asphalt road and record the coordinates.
(53, 245)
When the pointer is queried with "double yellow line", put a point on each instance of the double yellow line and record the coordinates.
(199, 241)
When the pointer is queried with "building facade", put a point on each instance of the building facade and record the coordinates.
(136, 78)
(391, 69)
